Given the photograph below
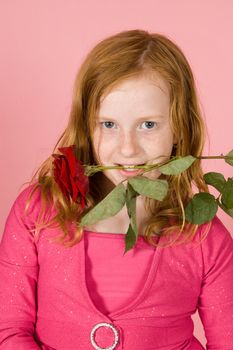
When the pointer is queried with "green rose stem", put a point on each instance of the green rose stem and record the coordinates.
(92, 169)
(214, 157)
(201, 208)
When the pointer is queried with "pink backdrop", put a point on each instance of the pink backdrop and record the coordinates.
(42, 45)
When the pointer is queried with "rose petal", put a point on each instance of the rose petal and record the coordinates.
(69, 173)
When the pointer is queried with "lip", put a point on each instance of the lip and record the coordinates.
(130, 173)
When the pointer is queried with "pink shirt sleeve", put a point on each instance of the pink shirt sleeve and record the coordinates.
(18, 271)
(215, 304)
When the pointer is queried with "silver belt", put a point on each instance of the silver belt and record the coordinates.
(104, 324)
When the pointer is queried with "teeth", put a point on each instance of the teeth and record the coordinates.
(130, 167)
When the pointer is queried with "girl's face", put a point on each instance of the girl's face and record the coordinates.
(132, 126)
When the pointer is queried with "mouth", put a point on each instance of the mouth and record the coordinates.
(130, 170)
(130, 167)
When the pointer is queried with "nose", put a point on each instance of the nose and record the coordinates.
(129, 144)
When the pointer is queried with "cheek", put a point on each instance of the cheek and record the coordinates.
(159, 144)
(103, 146)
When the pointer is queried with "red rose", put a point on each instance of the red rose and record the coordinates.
(69, 175)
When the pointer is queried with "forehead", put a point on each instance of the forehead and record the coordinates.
(137, 83)
(140, 94)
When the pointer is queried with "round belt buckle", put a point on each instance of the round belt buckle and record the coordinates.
(104, 324)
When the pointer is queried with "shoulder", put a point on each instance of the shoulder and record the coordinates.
(215, 232)
(28, 203)
(217, 245)
(20, 203)
(22, 197)
(27, 211)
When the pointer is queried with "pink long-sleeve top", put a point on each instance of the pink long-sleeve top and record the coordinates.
(51, 297)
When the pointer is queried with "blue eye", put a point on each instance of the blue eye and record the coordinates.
(107, 125)
(149, 124)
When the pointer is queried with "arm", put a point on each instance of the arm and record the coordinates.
(215, 305)
(18, 280)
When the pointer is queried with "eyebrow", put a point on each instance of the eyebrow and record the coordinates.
(148, 117)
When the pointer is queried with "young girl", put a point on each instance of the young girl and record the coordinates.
(66, 286)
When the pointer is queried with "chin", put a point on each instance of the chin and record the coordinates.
(152, 175)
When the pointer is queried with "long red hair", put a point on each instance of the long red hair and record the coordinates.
(118, 57)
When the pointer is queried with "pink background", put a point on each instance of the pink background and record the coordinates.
(42, 44)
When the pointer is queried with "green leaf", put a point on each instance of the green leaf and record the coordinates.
(227, 194)
(156, 189)
(109, 206)
(201, 208)
(131, 196)
(217, 180)
(176, 166)
(228, 211)
(130, 239)
(229, 161)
